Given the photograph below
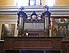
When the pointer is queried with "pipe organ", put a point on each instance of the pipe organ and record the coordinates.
(33, 25)
(35, 22)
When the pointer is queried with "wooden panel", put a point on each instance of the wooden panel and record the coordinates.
(33, 44)
(57, 44)
(1, 46)
(68, 50)
(65, 45)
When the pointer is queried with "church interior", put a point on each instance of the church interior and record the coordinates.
(34, 26)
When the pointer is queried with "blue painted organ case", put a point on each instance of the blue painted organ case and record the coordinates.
(33, 25)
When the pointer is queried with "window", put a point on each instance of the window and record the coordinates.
(32, 2)
(21, 2)
(38, 2)
(35, 2)
(50, 2)
(27, 2)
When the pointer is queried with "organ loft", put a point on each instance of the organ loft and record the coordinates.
(40, 24)
(34, 25)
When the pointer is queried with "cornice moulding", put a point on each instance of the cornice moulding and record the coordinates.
(55, 11)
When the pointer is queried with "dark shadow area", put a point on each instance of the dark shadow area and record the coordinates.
(11, 51)
(53, 51)
(32, 51)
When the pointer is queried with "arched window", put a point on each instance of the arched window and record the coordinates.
(21, 2)
(50, 2)
(32, 2)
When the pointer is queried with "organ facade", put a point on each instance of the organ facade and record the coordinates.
(35, 20)
(34, 25)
